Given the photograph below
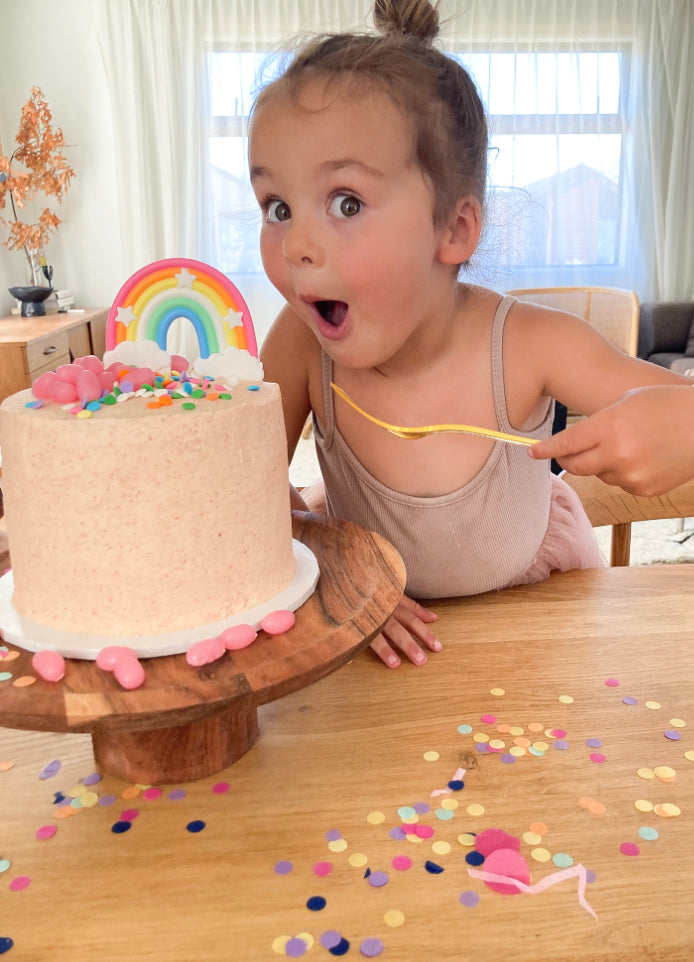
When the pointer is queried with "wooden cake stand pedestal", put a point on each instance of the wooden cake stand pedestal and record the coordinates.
(186, 723)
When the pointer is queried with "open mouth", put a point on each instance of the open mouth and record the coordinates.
(332, 312)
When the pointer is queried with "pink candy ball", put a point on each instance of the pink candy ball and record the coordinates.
(277, 622)
(129, 672)
(240, 636)
(64, 392)
(88, 387)
(107, 657)
(205, 651)
(68, 372)
(49, 665)
(43, 385)
(91, 363)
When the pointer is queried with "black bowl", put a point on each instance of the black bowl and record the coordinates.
(32, 299)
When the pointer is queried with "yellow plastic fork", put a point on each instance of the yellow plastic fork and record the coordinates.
(414, 434)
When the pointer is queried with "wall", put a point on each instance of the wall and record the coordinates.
(53, 45)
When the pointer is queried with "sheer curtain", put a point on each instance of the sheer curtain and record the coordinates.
(155, 56)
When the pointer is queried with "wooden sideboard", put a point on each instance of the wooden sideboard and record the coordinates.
(31, 345)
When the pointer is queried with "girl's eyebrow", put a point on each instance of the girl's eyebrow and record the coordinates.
(329, 166)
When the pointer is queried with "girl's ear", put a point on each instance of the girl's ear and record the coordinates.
(462, 233)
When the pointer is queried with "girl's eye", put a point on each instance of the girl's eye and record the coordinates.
(278, 211)
(345, 205)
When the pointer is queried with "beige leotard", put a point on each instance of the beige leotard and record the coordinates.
(482, 536)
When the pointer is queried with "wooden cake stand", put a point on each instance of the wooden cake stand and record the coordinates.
(185, 723)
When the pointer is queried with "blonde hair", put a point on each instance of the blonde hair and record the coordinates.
(433, 92)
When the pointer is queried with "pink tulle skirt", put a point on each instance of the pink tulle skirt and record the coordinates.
(569, 541)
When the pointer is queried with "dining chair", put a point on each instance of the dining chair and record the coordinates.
(606, 504)
(612, 311)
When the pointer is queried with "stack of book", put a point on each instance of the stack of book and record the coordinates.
(55, 303)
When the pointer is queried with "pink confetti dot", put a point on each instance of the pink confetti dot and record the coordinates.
(129, 815)
(424, 831)
(221, 788)
(628, 848)
(19, 883)
(46, 831)
(401, 863)
(322, 868)
(612, 682)
(488, 719)
(152, 793)
(598, 757)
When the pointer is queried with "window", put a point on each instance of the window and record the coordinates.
(555, 165)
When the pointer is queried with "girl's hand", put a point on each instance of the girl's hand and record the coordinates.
(405, 633)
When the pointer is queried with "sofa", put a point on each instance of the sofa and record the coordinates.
(666, 334)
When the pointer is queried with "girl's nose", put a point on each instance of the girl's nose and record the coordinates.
(301, 245)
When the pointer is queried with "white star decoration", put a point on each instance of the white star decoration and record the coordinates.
(233, 319)
(124, 315)
(185, 278)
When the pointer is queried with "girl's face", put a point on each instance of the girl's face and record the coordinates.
(348, 236)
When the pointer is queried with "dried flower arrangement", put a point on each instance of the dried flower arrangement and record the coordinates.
(44, 171)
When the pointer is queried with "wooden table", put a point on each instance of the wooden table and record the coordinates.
(356, 743)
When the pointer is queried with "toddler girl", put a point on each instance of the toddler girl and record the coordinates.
(368, 159)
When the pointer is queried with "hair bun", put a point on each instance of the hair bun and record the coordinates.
(418, 18)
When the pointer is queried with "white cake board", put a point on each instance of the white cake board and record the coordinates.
(32, 637)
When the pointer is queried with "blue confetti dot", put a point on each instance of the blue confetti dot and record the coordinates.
(6, 944)
(119, 827)
(253, 387)
(474, 858)
(433, 868)
(316, 903)
(342, 947)
(196, 825)
(456, 785)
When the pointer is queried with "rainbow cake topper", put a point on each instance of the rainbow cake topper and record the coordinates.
(155, 296)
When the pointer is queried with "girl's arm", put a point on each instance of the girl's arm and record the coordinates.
(550, 353)
(286, 355)
(644, 443)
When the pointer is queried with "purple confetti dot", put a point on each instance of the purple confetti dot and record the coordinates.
(371, 948)
(92, 779)
(333, 835)
(630, 700)
(672, 735)
(283, 867)
(469, 898)
(561, 744)
(330, 939)
(397, 833)
(481, 747)
(590, 876)
(176, 794)
(507, 758)
(295, 948)
(593, 742)
(421, 808)
(107, 800)
(378, 879)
